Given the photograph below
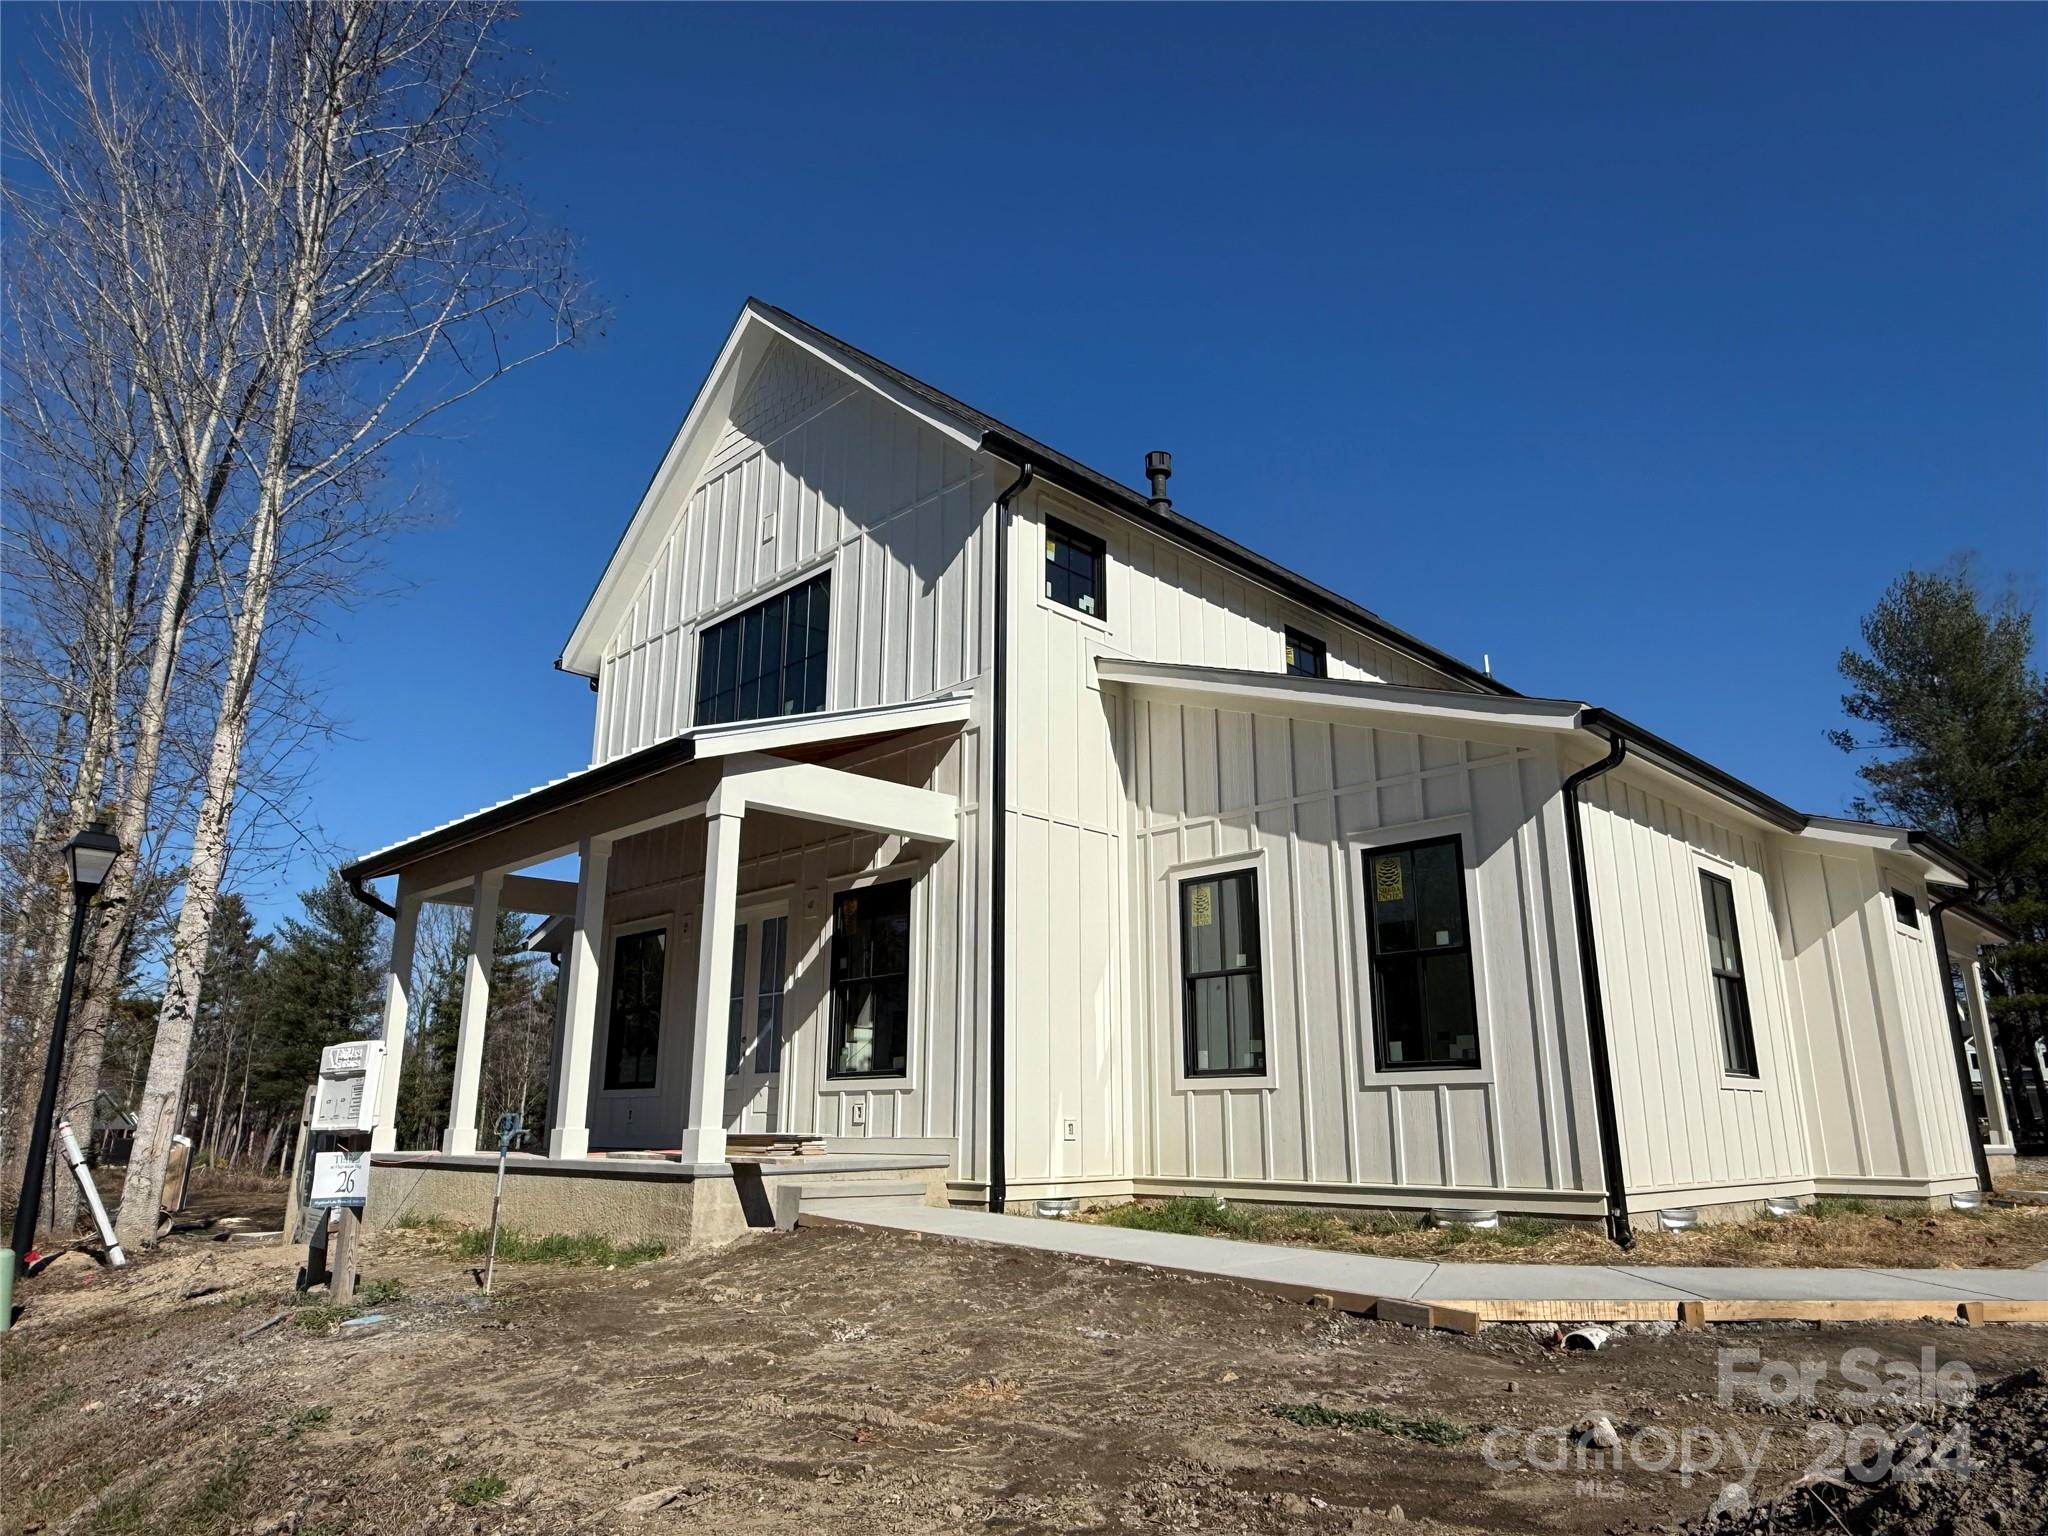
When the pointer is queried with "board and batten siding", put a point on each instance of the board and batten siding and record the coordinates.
(814, 473)
(658, 875)
(1873, 1023)
(1082, 1095)
(1308, 800)
(1689, 1127)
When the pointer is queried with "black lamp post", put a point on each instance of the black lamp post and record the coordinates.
(90, 855)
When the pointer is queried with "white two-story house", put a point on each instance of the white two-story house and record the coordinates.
(958, 805)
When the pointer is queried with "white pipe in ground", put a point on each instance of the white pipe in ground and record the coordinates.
(76, 1160)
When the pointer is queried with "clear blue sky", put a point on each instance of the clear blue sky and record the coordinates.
(1639, 347)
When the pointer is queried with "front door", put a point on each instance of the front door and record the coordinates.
(753, 1041)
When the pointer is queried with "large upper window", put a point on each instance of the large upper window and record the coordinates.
(871, 981)
(1424, 1005)
(1074, 568)
(1306, 655)
(769, 660)
(1724, 960)
(633, 1022)
(1223, 1017)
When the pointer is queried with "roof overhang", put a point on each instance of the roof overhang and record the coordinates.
(1939, 861)
(799, 737)
(1334, 698)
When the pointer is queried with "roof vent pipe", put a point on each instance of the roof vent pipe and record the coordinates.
(1159, 470)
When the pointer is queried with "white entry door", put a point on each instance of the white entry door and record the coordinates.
(753, 1041)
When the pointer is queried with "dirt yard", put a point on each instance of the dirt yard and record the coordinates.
(835, 1381)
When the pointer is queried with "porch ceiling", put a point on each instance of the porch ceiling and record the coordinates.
(676, 778)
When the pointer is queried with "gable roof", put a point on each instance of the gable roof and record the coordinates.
(976, 430)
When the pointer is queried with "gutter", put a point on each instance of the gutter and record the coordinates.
(999, 856)
(1608, 1120)
(1959, 1027)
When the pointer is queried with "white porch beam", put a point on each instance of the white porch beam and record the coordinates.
(397, 1007)
(570, 1134)
(476, 1001)
(517, 893)
(704, 1107)
(1997, 1126)
(841, 799)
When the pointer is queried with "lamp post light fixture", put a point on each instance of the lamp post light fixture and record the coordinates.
(89, 856)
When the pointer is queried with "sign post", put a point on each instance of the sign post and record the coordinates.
(345, 1106)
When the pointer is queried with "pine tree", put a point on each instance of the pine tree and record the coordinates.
(1958, 721)
(321, 983)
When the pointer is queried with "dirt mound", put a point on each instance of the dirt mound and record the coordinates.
(1977, 1469)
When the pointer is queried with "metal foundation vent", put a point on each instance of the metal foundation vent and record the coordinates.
(1063, 1205)
(1679, 1218)
(1967, 1200)
(1464, 1216)
(1780, 1206)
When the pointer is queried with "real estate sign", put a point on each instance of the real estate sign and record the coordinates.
(340, 1179)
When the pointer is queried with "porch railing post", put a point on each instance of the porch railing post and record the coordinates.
(1997, 1123)
(476, 1001)
(570, 1135)
(704, 1108)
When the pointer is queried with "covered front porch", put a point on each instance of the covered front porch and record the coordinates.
(697, 951)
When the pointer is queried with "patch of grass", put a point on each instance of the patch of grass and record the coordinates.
(122, 1514)
(481, 1489)
(377, 1293)
(516, 1247)
(1429, 1428)
(1827, 1206)
(305, 1419)
(323, 1316)
(1188, 1214)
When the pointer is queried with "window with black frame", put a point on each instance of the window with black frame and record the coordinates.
(769, 660)
(1223, 1005)
(1425, 1006)
(632, 1040)
(1074, 566)
(871, 981)
(1724, 962)
(1306, 655)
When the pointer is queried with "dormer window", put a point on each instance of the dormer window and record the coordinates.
(1075, 565)
(1306, 655)
(769, 660)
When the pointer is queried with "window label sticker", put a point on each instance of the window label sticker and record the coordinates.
(1202, 906)
(1386, 877)
(1443, 937)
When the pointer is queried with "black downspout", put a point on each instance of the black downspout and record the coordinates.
(1959, 1030)
(368, 897)
(999, 852)
(1618, 1227)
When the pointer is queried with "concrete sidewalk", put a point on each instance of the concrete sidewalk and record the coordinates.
(1581, 1291)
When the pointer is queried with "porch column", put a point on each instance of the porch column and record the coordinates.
(1997, 1124)
(397, 1005)
(570, 1135)
(704, 1106)
(476, 1000)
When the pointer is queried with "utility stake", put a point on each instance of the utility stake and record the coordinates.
(509, 1131)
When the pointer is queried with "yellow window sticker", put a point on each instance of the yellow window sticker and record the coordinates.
(1386, 877)
(1202, 906)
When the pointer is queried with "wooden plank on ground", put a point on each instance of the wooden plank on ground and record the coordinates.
(1807, 1311)
(1978, 1313)
(1570, 1310)
(1458, 1317)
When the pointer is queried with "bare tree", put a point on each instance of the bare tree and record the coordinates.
(394, 278)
